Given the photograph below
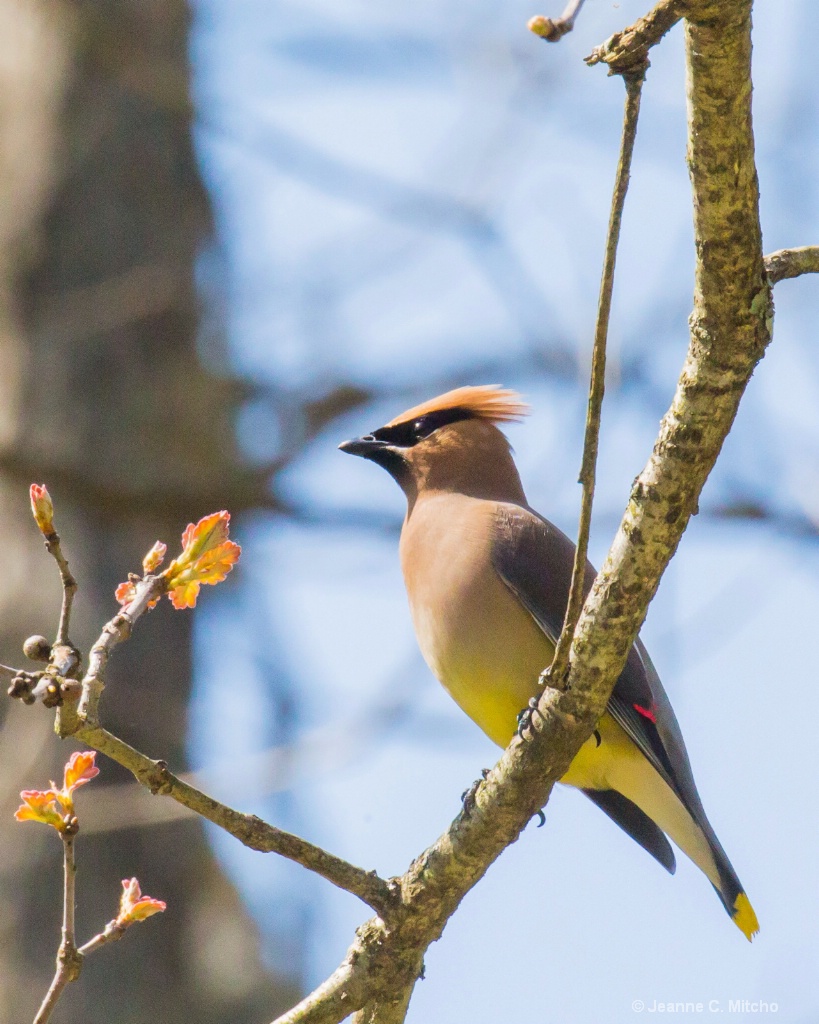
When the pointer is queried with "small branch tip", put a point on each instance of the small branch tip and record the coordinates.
(553, 29)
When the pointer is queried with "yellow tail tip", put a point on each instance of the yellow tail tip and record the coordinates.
(744, 917)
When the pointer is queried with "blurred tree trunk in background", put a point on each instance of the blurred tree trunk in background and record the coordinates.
(103, 397)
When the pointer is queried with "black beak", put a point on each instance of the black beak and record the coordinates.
(382, 453)
(367, 447)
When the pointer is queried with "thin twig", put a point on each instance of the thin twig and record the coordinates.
(69, 958)
(52, 543)
(785, 263)
(334, 1000)
(247, 828)
(69, 876)
(147, 592)
(112, 932)
(555, 674)
(553, 29)
(52, 996)
(627, 50)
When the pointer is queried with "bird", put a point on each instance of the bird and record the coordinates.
(488, 580)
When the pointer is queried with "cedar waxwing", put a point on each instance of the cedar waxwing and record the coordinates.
(488, 583)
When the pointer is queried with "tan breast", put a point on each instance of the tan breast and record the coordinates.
(475, 636)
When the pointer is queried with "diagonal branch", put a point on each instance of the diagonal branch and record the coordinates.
(334, 999)
(250, 830)
(629, 49)
(148, 591)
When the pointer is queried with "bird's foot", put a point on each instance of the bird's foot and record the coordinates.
(526, 716)
(542, 817)
(468, 795)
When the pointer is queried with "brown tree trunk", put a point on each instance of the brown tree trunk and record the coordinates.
(103, 397)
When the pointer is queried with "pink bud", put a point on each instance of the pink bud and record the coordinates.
(42, 509)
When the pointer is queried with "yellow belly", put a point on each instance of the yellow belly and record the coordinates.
(608, 760)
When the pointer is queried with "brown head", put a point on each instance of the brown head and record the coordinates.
(450, 444)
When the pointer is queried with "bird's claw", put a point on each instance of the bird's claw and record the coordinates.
(525, 717)
(468, 795)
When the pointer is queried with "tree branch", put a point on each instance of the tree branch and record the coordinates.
(54, 548)
(389, 1010)
(148, 592)
(629, 49)
(785, 263)
(250, 830)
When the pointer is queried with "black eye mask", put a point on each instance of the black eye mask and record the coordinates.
(405, 435)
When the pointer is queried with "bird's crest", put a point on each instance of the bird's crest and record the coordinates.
(482, 402)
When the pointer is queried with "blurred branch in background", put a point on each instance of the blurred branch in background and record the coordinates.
(423, 210)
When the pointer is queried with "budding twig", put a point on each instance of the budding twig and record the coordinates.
(553, 29)
(69, 900)
(112, 932)
(63, 657)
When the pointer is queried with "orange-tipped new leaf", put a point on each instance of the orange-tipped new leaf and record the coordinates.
(207, 556)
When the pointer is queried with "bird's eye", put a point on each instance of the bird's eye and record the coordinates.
(423, 427)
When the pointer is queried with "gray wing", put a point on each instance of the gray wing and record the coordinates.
(534, 559)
